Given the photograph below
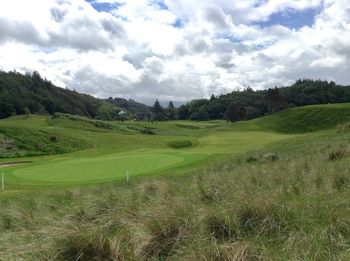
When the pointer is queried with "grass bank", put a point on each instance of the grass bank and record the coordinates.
(286, 202)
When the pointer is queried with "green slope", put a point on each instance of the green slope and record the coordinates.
(307, 119)
(104, 151)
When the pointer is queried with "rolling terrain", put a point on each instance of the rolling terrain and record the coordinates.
(106, 151)
(273, 188)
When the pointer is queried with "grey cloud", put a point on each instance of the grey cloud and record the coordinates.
(224, 61)
(179, 88)
(19, 30)
(82, 33)
(154, 66)
(137, 58)
(58, 14)
(194, 43)
(215, 15)
(111, 26)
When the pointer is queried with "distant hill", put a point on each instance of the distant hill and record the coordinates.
(140, 110)
(250, 104)
(32, 94)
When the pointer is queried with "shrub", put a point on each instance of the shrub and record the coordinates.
(251, 158)
(148, 132)
(53, 138)
(337, 154)
(178, 144)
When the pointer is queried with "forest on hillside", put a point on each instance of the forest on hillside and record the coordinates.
(250, 104)
(32, 94)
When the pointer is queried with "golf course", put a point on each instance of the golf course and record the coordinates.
(102, 152)
(119, 149)
(272, 188)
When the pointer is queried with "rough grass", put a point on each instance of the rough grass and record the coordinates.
(307, 119)
(294, 207)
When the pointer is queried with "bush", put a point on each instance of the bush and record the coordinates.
(178, 144)
(336, 155)
(148, 132)
(53, 138)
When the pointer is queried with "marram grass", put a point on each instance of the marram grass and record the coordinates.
(292, 206)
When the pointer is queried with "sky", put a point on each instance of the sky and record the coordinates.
(175, 49)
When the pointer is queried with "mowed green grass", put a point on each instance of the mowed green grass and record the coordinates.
(111, 153)
(95, 169)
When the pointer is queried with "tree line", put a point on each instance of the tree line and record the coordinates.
(32, 94)
(250, 104)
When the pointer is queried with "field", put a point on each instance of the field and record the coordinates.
(275, 188)
(116, 149)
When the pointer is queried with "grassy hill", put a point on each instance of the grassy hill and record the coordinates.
(106, 151)
(255, 190)
(100, 151)
(307, 118)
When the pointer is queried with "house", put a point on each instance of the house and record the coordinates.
(122, 112)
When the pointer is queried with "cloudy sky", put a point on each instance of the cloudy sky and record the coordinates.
(175, 49)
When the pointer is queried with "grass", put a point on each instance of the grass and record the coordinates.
(248, 193)
(307, 119)
(105, 154)
(293, 207)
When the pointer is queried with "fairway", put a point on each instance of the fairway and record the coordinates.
(107, 155)
(96, 169)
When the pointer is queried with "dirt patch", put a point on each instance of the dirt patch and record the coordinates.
(11, 164)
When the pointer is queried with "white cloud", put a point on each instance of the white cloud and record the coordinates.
(136, 51)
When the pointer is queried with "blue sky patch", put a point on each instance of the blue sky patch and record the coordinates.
(104, 6)
(230, 37)
(161, 5)
(179, 23)
(292, 19)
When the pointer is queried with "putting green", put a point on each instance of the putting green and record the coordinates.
(88, 170)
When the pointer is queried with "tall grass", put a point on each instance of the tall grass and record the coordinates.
(275, 204)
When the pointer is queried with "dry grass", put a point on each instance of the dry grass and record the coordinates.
(292, 207)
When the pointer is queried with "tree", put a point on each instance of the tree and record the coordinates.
(6, 109)
(157, 108)
(182, 112)
(171, 105)
(232, 113)
(171, 111)
(158, 111)
(199, 115)
(275, 100)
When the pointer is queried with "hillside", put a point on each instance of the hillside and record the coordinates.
(24, 94)
(249, 104)
(307, 118)
(139, 110)
(267, 196)
(30, 93)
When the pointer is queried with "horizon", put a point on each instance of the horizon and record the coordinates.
(175, 50)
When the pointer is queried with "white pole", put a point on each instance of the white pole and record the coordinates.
(2, 182)
(127, 176)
